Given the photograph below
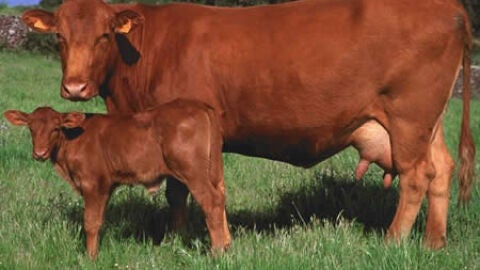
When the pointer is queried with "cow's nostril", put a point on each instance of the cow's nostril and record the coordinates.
(84, 87)
(65, 88)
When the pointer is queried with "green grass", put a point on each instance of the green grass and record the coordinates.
(476, 56)
(281, 217)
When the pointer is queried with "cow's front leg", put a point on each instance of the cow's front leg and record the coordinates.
(95, 202)
(176, 194)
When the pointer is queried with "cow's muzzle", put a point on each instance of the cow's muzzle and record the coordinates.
(76, 91)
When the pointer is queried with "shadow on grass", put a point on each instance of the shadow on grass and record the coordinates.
(326, 198)
(135, 216)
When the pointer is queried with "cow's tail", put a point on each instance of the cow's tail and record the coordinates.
(466, 148)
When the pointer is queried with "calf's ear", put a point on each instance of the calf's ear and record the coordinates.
(16, 118)
(73, 119)
(40, 20)
(126, 20)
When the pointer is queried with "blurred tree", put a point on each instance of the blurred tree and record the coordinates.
(50, 4)
(473, 9)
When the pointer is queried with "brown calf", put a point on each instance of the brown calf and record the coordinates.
(96, 153)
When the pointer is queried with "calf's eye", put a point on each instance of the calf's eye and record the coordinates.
(60, 38)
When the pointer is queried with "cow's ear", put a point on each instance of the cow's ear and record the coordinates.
(126, 21)
(73, 119)
(16, 118)
(40, 20)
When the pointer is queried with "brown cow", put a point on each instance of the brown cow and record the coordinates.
(98, 152)
(289, 82)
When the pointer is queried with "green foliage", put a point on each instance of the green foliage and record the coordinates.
(473, 8)
(6, 10)
(476, 56)
(281, 217)
(149, 2)
(50, 4)
(41, 43)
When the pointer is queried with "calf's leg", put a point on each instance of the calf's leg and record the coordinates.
(95, 202)
(203, 175)
(211, 198)
(194, 156)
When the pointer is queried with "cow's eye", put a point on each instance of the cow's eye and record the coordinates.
(103, 38)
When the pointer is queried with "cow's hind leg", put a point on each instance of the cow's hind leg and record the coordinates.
(413, 104)
(410, 144)
(415, 128)
(424, 169)
(438, 192)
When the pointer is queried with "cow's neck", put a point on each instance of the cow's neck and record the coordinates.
(126, 87)
(123, 98)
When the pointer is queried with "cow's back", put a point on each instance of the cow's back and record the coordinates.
(302, 72)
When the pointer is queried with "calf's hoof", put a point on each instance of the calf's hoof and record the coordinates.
(216, 252)
(435, 243)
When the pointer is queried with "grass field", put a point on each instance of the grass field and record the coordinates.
(281, 217)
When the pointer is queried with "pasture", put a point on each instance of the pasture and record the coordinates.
(281, 217)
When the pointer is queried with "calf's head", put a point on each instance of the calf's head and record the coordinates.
(45, 126)
(85, 32)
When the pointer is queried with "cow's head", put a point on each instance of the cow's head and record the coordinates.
(45, 126)
(85, 32)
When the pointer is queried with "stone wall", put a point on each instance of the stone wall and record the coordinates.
(13, 32)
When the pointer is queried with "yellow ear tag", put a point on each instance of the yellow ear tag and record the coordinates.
(40, 25)
(124, 29)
